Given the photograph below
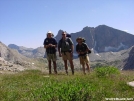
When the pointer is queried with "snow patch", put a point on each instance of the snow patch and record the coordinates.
(94, 47)
(109, 48)
(97, 54)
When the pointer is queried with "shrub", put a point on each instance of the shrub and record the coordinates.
(105, 71)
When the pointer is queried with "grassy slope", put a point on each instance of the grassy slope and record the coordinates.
(35, 86)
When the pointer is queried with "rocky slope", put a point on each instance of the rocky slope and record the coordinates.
(129, 62)
(12, 61)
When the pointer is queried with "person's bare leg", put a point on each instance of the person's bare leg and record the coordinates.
(55, 67)
(49, 66)
(83, 66)
(88, 67)
(72, 66)
(66, 68)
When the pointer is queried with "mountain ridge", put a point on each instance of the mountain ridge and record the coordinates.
(103, 38)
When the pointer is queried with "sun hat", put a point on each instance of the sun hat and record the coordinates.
(49, 32)
(79, 38)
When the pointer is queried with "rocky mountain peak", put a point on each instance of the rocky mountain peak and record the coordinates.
(103, 38)
(13, 46)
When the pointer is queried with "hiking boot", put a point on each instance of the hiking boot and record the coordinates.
(67, 72)
(84, 73)
(50, 72)
(72, 72)
(55, 72)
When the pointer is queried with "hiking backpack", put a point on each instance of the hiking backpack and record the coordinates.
(65, 45)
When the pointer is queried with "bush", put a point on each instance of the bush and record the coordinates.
(105, 71)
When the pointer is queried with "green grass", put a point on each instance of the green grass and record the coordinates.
(32, 85)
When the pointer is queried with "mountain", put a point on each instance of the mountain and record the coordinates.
(11, 60)
(11, 55)
(28, 52)
(103, 38)
(129, 62)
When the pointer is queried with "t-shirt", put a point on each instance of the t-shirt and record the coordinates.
(50, 50)
(81, 48)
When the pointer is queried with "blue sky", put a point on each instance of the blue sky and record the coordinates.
(26, 22)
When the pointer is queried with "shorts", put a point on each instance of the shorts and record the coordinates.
(51, 57)
(66, 56)
(84, 59)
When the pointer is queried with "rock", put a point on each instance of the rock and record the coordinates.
(129, 62)
(131, 84)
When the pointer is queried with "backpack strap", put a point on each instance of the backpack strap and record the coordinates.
(69, 41)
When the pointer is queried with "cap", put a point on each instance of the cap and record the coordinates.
(49, 32)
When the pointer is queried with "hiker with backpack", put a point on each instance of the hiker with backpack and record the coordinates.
(50, 44)
(83, 50)
(66, 48)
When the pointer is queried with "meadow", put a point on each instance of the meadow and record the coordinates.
(33, 85)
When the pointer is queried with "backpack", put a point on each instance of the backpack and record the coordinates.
(68, 35)
(65, 45)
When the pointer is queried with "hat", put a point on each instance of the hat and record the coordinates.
(49, 32)
(79, 38)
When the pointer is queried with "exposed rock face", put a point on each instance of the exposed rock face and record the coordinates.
(129, 65)
(6, 66)
(29, 52)
(110, 39)
(11, 60)
(103, 38)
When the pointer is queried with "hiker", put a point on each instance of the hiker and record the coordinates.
(66, 48)
(83, 50)
(50, 44)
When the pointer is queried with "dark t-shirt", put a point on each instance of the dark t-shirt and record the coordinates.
(50, 50)
(81, 48)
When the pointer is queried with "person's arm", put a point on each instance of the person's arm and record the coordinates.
(45, 44)
(72, 48)
(77, 49)
(59, 48)
(72, 45)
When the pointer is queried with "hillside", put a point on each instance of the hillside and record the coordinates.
(12, 61)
